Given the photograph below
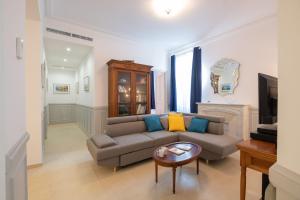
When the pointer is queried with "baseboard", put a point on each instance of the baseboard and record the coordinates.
(286, 182)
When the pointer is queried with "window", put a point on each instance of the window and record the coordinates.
(183, 73)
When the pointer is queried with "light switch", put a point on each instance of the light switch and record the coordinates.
(19, 48)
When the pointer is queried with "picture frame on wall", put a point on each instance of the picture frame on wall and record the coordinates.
(86, 83)
(61, 88)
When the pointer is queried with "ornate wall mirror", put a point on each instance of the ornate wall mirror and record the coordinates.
(224, 76)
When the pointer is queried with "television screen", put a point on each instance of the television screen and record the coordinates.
(268, 95)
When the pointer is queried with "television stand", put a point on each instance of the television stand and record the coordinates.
(270, 129)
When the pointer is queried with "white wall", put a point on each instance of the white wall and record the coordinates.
(61, 76)
(108, 47)
(34, 95)
(87, 69)
(12, 76)
(254, 46)
(2, 138)
(289, 97)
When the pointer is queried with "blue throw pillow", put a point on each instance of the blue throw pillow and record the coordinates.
(198, 125)
(153, 123)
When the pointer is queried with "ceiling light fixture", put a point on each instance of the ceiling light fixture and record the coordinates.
(65, 60)
(168, 7)
(68, 49)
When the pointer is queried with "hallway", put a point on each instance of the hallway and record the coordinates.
(66, 143)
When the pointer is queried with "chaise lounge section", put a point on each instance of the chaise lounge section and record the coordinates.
(127, 141)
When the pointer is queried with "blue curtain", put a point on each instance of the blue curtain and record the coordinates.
(152, 90)
(196, 82)
(173, 96)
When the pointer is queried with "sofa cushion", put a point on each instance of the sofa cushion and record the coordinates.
(187, 121)
(153, 123)
(134, 142)
(198, 125)
(164, 120)
(219, 144)
(142, 117)
(102, 141)
(115, 130)
(118, 120)
(216, 128)
(163, 137)
(126, 144)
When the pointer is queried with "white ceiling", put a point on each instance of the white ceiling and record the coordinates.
(56, 53)
(136, 19)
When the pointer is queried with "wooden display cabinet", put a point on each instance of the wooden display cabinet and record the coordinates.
(128, 88)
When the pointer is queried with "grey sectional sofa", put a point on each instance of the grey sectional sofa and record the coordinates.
(127, 141)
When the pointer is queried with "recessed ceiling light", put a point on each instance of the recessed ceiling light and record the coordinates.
(65, 60)
(168, 7)
(68, 49)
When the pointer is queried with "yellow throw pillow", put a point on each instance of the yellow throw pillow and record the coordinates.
(176, 122)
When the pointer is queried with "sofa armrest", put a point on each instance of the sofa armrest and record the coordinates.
(103, 141)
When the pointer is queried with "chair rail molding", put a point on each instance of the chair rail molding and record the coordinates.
(16, 170)
(287, 182)
(91, 120)
(236, 117)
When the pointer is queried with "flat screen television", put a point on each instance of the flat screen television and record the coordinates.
(268, 97)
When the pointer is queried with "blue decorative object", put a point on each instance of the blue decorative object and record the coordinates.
(153, 123)
(198, 125)
(196, 80)
(173, 95)
(152, 90)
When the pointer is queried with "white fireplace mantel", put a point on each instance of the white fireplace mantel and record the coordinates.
(236, 117)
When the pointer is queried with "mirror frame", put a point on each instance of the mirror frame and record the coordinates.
(222, 64)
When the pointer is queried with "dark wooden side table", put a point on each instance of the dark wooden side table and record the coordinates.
(256, 155)
(172, 160)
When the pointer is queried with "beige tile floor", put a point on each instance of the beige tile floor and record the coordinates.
(69, 172)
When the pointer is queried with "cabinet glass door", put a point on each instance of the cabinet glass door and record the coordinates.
(124, 93)
(141, 93)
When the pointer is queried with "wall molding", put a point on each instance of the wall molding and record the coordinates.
(188, 47)
(286, 181)
(16, 170)
(91, 120)
(62, 113)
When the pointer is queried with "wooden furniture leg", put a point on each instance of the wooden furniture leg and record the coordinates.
(156, 172)
(174, 179)
(243, 183)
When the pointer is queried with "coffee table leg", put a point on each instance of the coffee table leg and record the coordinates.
(197, 165)
(174, 179)
(156, 172)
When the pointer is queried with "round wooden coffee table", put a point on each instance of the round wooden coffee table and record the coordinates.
(173, 160)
